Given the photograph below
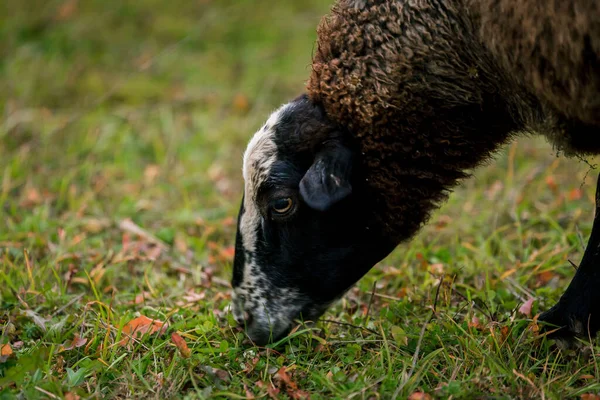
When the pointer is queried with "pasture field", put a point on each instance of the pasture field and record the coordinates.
(123, 126)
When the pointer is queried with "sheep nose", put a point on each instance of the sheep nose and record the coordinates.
(244, 320)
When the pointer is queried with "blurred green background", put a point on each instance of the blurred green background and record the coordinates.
(122, 133)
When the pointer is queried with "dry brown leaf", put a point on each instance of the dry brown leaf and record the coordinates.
(590, 396)
(419, 396)
(95, 225)
(228, 253)
(241, 103)
(249, 394)
(221, 374)
(494, 189)
(291, 386)
(180, 243)
(525, 309)
(437, 268)
(193, 297)
(5, 352)
(535, 328)
(31, 198)
(73, 344)
(422, 260)
(575, 194)
(181, 345)
(272, 391)
(504, 331)
(67, 10)
(443, 221)
(475, 323)
(544, 277)
(141, 298)
(551, 182)
(228, 221)
(72, 396)
(151, 172)
(141, 325)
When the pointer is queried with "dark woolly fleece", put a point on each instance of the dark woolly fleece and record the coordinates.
(431, 88)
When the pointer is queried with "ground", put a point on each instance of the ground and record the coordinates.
(120, 177)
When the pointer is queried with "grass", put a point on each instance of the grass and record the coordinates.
(120, 155)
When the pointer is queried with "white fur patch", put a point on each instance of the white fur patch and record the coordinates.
(258, 158)
(252, 293)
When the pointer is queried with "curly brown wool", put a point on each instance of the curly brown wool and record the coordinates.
(431, 88)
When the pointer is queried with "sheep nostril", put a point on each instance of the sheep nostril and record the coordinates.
(244, 320)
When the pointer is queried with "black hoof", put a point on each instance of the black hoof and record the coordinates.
(567, 326)
(576, 315)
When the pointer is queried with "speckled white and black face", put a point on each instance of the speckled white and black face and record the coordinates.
(256, 301)
(297, 250)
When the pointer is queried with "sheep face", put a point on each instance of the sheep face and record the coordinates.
(303, 236)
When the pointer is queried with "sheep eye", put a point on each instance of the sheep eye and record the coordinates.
(282, 206)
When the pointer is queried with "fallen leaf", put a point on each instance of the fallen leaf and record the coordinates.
(95, 225)
(525, 309)
(575, 194)
(72, 396)
(544, 277)
(159, 378)
(180, 243)
(193, 297)
(141, 298)
(32, 198)
(551, 182)
(493, 191)
(228, 221)
(151, 172)
(70, 274)
(422, 260)
(504, 331)
(535, 328)
(73, 344)
(67, 10)
(437, 268)
(272, 391)
(249, 394)
(241, 103)
(419, 396)
(442, 221)
(181, 345)
(475, 323)
(590, 396)
(290, 386)
(138, 327)
(5, 352)
(228, 252)
(216, 372)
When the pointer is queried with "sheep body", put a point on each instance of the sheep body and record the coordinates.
(430, 89)
(405, 98)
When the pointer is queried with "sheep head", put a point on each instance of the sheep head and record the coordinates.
(306, 231)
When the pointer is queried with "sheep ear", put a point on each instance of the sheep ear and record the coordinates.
(327, 181)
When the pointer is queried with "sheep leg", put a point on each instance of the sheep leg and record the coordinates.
(577, 313)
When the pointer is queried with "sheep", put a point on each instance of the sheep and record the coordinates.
(404, 98)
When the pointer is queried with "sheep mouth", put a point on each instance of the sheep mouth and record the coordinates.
(263, 328)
